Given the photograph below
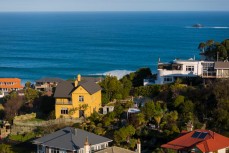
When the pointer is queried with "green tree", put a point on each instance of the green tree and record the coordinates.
(225, 43)
(158, 113)
(112, 87)
(105, 98)
(202, 46)
(148, 110)
(137, 120)
(99, 130)
(4, 148)
(12, 106)
(31, 94)
(221, 51)
(126, 87)
(140, 119)
(118, 109)
(139, 75)
(178, 101)
(214, 50)
(221, 111)
(170, 122)
(28, 84)
(124, 134)
(47, 104)
(95, 117)
(132, 143)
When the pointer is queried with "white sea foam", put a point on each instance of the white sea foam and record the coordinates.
(118, 73)
(219, 27)
(216, 27)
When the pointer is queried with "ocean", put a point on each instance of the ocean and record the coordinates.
(34, 45)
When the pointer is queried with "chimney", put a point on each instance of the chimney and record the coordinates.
(78, 79)
(76, 83)
(138, 146)
(86, 146)
(189, 126)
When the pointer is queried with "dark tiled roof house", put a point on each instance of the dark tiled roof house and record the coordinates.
(82, 96)
(71, 140)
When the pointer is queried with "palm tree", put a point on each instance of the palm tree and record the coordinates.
(158, 116)
(210, 44)
(159, 112)
(202, 46)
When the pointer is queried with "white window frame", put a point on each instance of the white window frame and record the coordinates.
(81, 98)
(190, 68)
(64, 111)
(168, 79)
(54, 150)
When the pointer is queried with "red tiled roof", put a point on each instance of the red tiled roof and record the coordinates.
(10, 80)
(215, 143)
(16, 81)
(212, 142)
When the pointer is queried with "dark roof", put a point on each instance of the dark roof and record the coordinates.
(50, 80)
(93, 79)
(90, 86)
(65, 88)
(70, 139)
(221, 65)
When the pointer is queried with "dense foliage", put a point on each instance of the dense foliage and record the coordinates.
(211, 48)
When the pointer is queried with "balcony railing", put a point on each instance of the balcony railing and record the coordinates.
(209, 74)
(63, 103)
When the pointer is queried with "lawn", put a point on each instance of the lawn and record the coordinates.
(35, 120)
(22, 137)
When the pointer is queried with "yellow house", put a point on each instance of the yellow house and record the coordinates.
(77, 99)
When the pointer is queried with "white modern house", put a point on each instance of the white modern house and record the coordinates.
(169, 72)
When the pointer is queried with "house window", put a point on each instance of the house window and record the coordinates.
(92, 149)
(54, 150)
(189, 68)
(64, 110)
(81, 98)
(62, 151)
(167, 79)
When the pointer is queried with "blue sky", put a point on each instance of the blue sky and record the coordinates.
(114, 5)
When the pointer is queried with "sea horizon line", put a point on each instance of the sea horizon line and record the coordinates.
(112, 11)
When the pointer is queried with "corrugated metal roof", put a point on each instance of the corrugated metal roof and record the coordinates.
(221, 65)
(70, 139)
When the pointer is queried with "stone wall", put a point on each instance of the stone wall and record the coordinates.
(22, 125)
(25, 117)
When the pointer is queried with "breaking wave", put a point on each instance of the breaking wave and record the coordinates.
(118, 73)
(215, 27)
